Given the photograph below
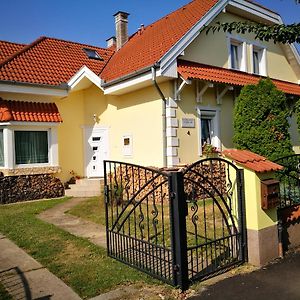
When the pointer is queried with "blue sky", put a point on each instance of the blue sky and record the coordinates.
(91, 22)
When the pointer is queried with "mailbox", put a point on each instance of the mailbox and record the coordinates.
(269, 193)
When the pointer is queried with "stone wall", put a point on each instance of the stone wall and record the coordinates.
(29, 187)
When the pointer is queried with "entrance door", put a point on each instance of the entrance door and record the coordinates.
(96, 151)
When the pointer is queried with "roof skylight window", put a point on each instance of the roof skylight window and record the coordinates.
(92, 54)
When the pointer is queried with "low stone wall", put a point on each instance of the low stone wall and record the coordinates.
(29, 187)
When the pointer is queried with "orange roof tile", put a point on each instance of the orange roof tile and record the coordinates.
(7, 49)
(191, 70)
(50, 61)
(251, 160)
(28, 111)
(147, 46)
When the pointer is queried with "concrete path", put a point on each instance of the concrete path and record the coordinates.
(26, 279)
(95, 233)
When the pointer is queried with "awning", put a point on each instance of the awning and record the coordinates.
(191, 70)
(23, 111)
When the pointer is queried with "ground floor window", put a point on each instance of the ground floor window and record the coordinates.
(31, 147)
(209, 127)
(1, 149)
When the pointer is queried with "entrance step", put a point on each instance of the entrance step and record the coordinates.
(85, 187)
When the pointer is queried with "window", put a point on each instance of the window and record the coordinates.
(1, 149)
(206, 133)
(237, 53)
(209, 130)
(92, 54)
(235, 59)
(31, 147)
(259, 60)
(255, 62)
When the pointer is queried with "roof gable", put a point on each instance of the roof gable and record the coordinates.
(147, 46)
(51, 61)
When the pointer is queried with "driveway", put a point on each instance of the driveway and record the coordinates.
(277, 281)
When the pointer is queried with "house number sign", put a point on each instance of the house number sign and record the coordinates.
(187, 123)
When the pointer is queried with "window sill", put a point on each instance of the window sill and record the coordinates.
(30, 170)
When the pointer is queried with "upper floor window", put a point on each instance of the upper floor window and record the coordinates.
(235, 57)
(259, 60)
(237, 54)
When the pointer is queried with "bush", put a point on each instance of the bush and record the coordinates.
(260, 121)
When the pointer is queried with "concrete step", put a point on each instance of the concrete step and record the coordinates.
(72, 193)
(85, 187)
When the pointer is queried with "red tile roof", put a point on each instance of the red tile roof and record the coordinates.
(7, 49)
(51, 61)
(28, 111)
(191, 70)
(251, 160)
(147, 46)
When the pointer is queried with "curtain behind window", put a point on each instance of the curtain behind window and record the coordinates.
(31, 147)
(1, 149)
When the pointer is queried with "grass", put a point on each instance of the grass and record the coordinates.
(80, 264)
(4, 295)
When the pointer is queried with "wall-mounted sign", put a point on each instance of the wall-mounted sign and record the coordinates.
(187, 123)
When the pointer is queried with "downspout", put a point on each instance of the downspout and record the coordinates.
(164, 116)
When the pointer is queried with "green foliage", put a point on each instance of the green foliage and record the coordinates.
(279, 33)
(297, 111)
(260, 120)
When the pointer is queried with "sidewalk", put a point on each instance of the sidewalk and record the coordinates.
(26, 279)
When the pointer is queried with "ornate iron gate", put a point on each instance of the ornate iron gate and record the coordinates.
(289, 178)
(178, 226)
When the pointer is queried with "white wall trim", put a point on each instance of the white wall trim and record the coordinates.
(33, 90)
(84, 72)
(17, 123)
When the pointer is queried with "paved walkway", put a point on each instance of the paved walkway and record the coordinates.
(26, 279)
(56, 215)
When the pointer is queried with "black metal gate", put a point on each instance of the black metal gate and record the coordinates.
(289, 178)
(178, 226)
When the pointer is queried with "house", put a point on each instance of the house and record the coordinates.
(152, 98)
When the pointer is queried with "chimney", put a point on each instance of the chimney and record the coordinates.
(121, 21)
(111, 42)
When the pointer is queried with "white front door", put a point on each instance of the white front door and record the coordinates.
(96, 150)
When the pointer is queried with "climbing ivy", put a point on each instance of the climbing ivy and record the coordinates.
(261, 120)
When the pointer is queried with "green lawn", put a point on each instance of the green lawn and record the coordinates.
(80, 264)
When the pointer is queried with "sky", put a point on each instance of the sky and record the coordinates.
(92, 22)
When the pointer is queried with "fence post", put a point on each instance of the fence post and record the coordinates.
(179, 237)
(242, 215)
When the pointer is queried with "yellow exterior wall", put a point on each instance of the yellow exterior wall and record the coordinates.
(256, 217)
(138, 114)
(188, 151)
(70, 135)
(212, 49)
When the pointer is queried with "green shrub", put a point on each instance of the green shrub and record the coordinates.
(260, 120)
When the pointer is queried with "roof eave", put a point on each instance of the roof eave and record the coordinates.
(60, 90)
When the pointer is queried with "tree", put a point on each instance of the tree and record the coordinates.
(260, 120)
(279, 33)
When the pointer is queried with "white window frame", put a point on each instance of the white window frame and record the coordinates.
(262, 53)
(127, 149)
(242, 52)
(9, 143)
(212, 113)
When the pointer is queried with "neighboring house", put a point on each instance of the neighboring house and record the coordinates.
(154, 98)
